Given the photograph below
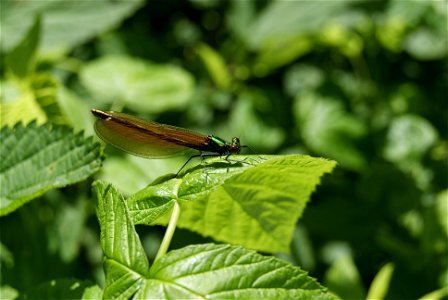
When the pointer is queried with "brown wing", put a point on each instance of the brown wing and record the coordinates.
(145, 138)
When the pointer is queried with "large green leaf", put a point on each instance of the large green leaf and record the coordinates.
(138, 84)
(204, 271)
(61, 21)
(254, 206)
(36, 159)
(212, 271)
(125, 261)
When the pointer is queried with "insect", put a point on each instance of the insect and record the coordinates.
(154, 140)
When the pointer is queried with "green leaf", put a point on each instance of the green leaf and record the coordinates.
(227, 272)
(130, 173)
(281, 20)
(6, 257)
(380, 284)
(61, 19)
(425, 44)
(125, 261)
(215, 65)
(8, 293)
(19, 105)
(67, 233)
(21, 59)
(138, 84)
(343, 279)
(36, 159)
(206, 271)
(408, 139)
(45, 91)
(93, 292)
(329, 130)
(280, 33)
(253, 128)
(75, 110)
(256, 207)
(439, 294)
(37, 100)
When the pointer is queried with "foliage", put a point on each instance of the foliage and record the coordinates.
(361, 83)
(36, 159)
(206, 271)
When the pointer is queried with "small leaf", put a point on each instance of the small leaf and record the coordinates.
(380, 284)
(252, 127)
(37, 159)
(68, 233)
(37, 100)
(45, 91)
(227, 272)
(329, 130)
(215, 65)
(21, 59)
(343, 279)
(8, 292)
(93, 292)
(425, 44)
(256, 207)
(19, 106)
(140, 85)
(439, 294)
(125, 261)
(409, 138)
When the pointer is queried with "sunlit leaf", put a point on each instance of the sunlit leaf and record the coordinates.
(138, 84)
(227, 272)
(93, 292)
(60, 21)
(125, 261)
(425, 44)
(210, 271)
(257, 207)
(408, 139)
(380, 284)
(36, 159)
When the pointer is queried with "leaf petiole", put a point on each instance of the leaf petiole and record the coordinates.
(169, 231)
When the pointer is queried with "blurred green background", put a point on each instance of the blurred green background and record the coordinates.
(361, 82)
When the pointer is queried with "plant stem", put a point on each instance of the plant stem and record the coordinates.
(169, 231)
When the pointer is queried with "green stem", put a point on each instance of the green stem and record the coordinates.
(169, 231)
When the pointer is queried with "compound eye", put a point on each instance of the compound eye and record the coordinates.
(235, 146)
